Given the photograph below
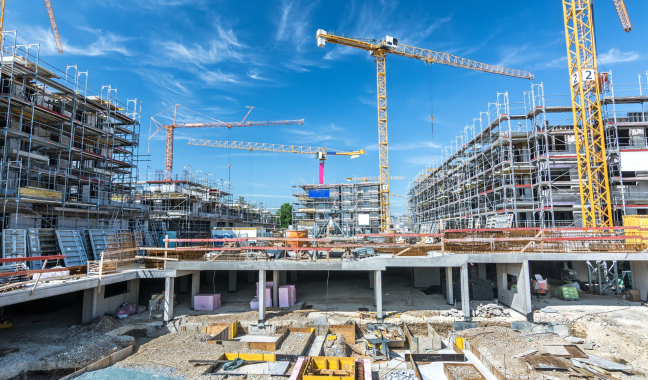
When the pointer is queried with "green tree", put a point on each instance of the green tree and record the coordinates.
(285, 215)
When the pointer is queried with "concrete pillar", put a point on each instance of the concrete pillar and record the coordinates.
(133, 290)
(525, 284)
(90, 299)
(251, 276)
(195, 286)
(233, 275)
(169, 285)
(465, 292)
(481, 271)
(372, 277)
(378, 290)
(449, 286)
(262, 301)
(275, 288)
(283, 277)
(294, 275)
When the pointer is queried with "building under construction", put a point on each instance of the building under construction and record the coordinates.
(69, 150)
(192, 206)
(516, 165)
(341, 209)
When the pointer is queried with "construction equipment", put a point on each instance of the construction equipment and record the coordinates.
(379, 50)
(170, 129)
(321, 153)
(373, 179)
(50, 14)
(585, 90)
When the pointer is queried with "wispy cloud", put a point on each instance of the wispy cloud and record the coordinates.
(617, 56)
(255, 74)
(293, 26)
(103, 43)
(224, 46)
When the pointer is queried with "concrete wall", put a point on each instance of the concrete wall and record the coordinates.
(521, 300)
(581, 268)
(640, 277)
(94, 303)
(426, 277)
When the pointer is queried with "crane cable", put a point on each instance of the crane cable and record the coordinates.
(431, 98)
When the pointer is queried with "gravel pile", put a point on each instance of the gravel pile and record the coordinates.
(500, 344)
(461, 372)
(294, 343)
(484, 311)
(402, 374)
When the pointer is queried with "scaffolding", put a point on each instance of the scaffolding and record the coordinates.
(515, 165)
(190, 205)
(69, 151)
(337, 209)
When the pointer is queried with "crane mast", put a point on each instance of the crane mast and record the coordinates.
(586, 109)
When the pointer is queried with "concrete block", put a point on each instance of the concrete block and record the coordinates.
(460, 326)
(266, 330)
(207, 302)
(284, 298)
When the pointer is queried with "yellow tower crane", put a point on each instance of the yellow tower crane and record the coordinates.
(379, 50)
(50, 14)
(586, 108)
(320, 153)
(170, 130)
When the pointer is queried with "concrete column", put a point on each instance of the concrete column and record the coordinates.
(481, 271)
(90, 299)
(262, 301)
(372, 277)
(169, 285)
(275, 288)
(465, 292)
(250, 276)
(378, 290)
(449, 286)
(133, 290)
(294, 275)
(525, 292)
(195, 286)
(233, 275)
(283, 275)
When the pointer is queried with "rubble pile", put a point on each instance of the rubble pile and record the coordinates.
(489, 310)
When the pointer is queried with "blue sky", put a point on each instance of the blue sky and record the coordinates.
(216, 57)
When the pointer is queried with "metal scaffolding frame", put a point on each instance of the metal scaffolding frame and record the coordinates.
(69, 151)
(516, 166)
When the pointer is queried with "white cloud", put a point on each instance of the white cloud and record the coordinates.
(103, 44)
(617, 56)
(293, 27)
(254, 74)
(224, 47)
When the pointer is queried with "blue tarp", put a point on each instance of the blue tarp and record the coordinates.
(112, 373)
(318, 194)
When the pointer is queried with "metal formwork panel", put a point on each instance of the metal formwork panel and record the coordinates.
(33, 241)
(14, 243)
(71, 245)
(98, 242)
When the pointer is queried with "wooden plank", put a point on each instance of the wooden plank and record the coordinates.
(103, 363)
(547, 363)
(38, 279)
(403, 251)
(100, 272)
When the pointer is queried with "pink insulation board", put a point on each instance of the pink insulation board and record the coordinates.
(207, 301)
